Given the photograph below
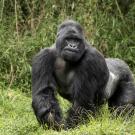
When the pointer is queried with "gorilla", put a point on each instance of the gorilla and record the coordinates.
(79, 73)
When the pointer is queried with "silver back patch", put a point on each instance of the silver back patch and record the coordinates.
(111, 85)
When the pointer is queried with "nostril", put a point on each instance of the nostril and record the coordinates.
(71, 45)
(74, 46)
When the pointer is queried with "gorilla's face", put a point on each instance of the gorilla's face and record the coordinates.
(72, 49)
(70, 41)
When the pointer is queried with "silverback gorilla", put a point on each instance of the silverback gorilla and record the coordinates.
(80, 74)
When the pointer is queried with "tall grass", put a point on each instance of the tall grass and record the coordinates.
(27, 26)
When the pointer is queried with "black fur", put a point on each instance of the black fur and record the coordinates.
(81, 73)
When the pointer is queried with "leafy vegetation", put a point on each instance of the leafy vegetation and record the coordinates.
(27, 26)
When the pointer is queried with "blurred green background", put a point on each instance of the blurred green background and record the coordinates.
(26, 26)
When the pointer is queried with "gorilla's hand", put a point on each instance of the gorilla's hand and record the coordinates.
(48, 111)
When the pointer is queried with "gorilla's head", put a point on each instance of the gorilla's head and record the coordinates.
(70, 42)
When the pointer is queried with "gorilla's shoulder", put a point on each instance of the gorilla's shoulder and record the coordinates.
(45, 53)
(93, 53)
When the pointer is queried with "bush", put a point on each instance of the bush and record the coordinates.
(27, 26)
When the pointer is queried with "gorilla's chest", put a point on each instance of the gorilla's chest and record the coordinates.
(64, 75)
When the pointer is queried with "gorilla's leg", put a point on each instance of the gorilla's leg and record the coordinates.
(123, 97)
(123, 100)
(79, 115)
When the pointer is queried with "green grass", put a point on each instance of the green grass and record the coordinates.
(17, 118)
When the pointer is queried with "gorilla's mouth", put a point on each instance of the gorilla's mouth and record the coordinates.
(71, 50)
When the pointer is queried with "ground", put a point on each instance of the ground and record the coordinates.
(17, 118)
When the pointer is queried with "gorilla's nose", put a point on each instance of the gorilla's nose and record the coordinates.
(72, 45)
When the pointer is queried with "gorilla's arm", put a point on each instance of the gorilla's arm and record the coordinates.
(91, 78)
(44, 102)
